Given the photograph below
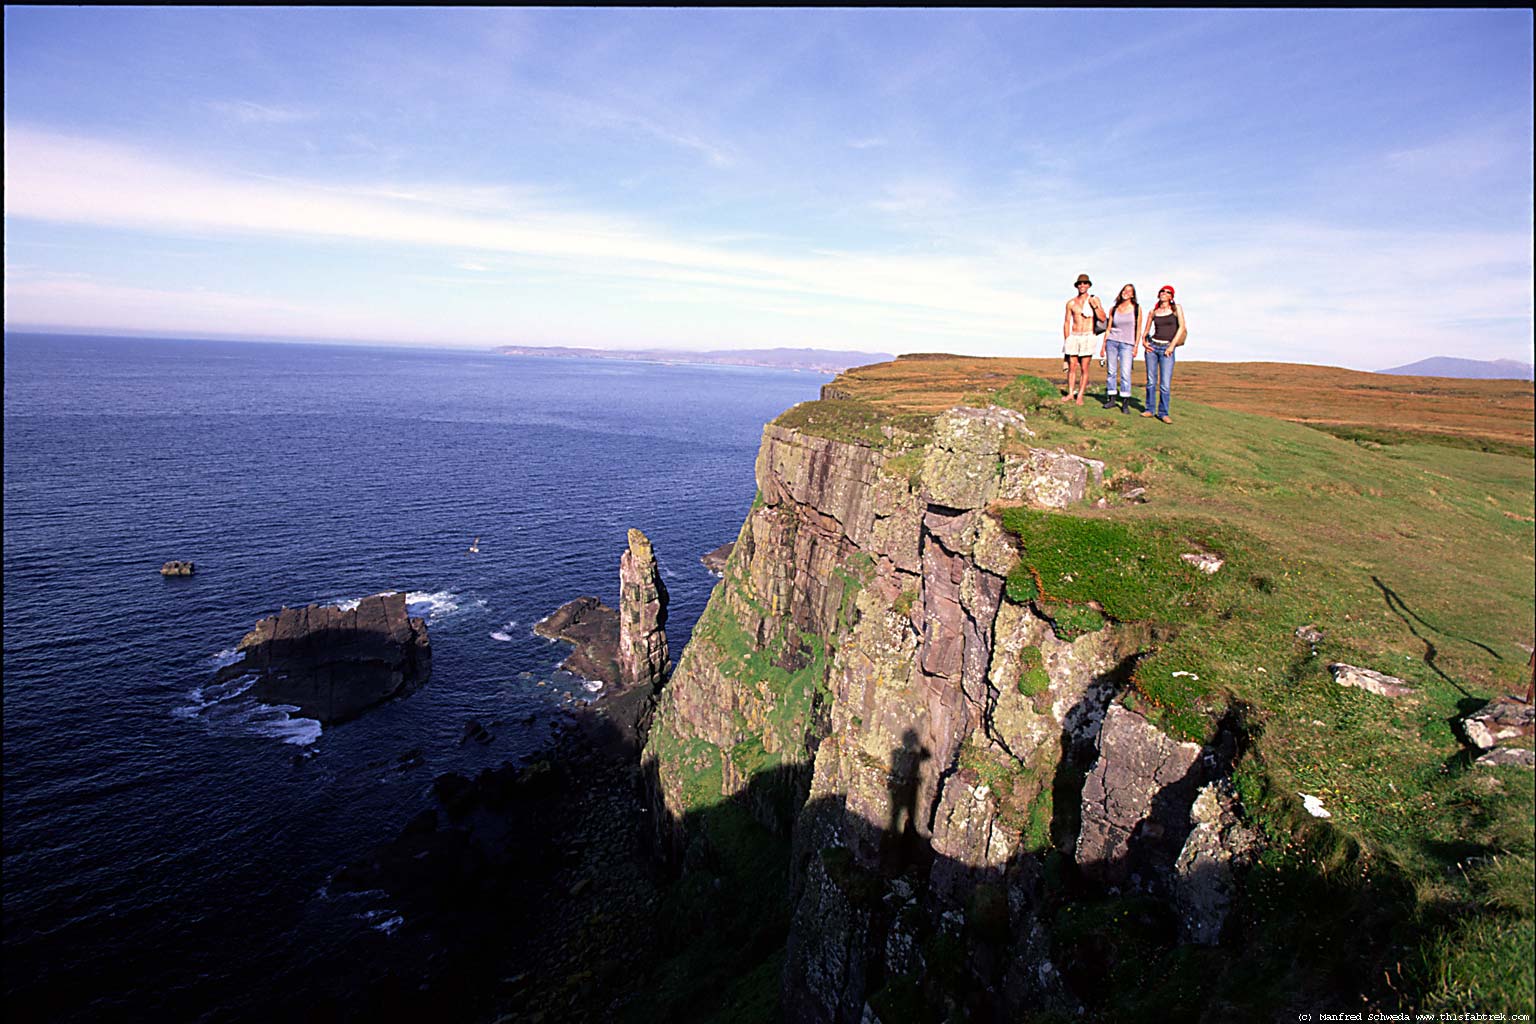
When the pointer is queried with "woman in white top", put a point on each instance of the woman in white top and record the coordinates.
(1078, 342)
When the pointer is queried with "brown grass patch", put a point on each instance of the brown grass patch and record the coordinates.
(1328, 398)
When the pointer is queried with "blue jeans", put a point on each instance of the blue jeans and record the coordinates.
(1117, 356)
(1159, 378)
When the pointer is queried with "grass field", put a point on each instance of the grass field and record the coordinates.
(1416, 559)
(1496, 414)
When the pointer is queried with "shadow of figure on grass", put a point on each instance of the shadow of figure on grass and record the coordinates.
(1400, 608)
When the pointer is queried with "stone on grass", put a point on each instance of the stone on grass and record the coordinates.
(1498, 721)
(1518, 757)
(1366, 679)
(1309, 634)
(1205, 562)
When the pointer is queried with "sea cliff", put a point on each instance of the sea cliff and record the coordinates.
(946, 706)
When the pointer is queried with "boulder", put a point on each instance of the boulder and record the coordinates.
(1048, 479)
(1366, 679)
(331, 663)
(177, 568)
(1516, 757)
(1498, 722)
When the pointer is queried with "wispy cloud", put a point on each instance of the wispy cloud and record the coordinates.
(247, 112)
(1287, 289)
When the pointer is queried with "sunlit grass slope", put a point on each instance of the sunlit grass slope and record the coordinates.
(1413, 559)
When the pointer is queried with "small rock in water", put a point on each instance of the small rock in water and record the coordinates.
(177, 568)
(473, 730)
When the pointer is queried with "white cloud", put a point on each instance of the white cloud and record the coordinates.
(966, 277)
(247, 112)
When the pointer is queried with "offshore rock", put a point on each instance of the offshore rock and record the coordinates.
(643, 657)
(593, 628)
(176, 567)
(715, 560)
(1136, 799)
(334, 664)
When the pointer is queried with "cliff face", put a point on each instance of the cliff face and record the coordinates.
(926, 738)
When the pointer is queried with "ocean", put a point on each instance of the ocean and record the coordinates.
(167, 843)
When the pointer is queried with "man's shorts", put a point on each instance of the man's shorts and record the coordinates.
(1081, 345)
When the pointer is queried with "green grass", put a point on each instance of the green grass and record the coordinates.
(858, 423)
(1415, 559)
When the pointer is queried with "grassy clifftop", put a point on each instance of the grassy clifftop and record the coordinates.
(1496, 414)
(1417, 559)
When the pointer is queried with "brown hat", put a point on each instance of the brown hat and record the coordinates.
(1081, 279)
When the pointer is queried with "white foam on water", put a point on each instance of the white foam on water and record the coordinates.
(434, 606)
(421, 604)
(227, 657)
(225, 710)
(592, 685)
(385, 921)
(504, 633)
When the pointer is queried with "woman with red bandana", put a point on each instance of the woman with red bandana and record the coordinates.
(1166, 330)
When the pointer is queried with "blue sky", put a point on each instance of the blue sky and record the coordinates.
(1348, 188)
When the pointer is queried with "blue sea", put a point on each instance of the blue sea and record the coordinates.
(167, 843)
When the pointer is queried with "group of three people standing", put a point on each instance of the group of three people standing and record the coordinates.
(1126, 331)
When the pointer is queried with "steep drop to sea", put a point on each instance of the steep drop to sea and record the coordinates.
(168, 844)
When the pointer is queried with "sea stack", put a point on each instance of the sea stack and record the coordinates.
(642, 616)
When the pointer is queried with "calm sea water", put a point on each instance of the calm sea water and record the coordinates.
(166, 846)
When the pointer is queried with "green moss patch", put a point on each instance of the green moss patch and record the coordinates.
(1033, 679)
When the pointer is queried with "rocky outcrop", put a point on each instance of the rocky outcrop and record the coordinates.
(1498, 722)
(1137, 798)
(593, 628)
(1205, 881)
(177, 568)
(715, 560)
(643, 659)
(333, 663)
(863, 684)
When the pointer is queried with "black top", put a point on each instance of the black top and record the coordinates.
(1164, 326)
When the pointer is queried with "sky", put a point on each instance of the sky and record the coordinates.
(1350, 188)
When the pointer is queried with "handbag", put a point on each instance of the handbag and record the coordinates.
(1100, 325)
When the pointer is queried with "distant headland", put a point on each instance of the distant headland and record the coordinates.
(819, 360)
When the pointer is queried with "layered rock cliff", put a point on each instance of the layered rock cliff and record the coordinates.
(863, 683)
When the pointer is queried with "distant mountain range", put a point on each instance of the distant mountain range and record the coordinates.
(819, 360)
(1482, 369)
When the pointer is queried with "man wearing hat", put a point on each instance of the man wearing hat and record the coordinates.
(1078, 342)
